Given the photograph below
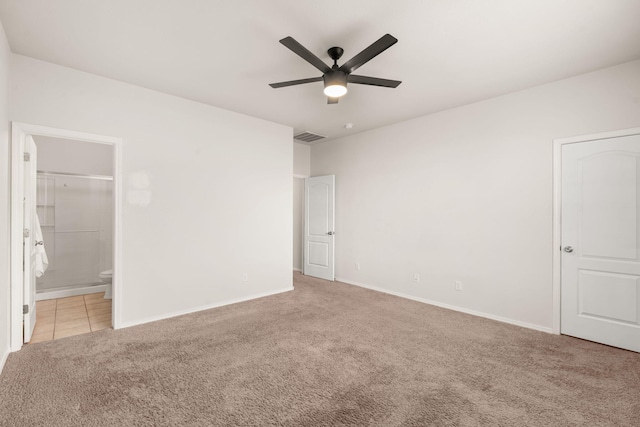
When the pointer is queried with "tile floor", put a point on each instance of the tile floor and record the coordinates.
(64, 317)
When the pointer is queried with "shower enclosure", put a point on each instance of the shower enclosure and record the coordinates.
(76, 217)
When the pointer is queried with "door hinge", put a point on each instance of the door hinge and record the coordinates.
(25, 233)
(25, 309)
(27, 157)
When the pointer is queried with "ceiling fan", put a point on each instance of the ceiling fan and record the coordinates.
(336, 78)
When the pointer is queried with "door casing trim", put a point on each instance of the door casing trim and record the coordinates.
(18, 133)
(557, 211)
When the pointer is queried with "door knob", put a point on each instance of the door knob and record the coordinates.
(331, 233)
(568, 249)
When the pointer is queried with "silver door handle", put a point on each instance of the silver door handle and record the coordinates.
(568, 249)
(331, 233)
(40, 243)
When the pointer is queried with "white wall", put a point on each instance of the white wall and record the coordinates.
(207, 192)
(301, 159)
(466, 194)
(301, 170)
(78, 157)
(5, 303)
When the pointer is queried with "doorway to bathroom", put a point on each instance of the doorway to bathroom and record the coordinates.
(65, 233)
(74, 208)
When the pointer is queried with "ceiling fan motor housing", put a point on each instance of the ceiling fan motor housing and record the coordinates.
(335, 78)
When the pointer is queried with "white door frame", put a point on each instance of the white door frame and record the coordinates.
(18, 134)
(557, 210)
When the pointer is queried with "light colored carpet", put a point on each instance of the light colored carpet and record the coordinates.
(324, 354)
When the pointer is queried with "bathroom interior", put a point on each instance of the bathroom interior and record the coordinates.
(74, 205)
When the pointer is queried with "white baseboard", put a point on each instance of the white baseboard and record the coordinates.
(297, 269)
(202, 308)
(3, 360)
(70, 292)
(451, 307)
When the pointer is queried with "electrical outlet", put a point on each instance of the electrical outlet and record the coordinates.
(245, 277)
(458, 285)
(416, 277)
(357, 266)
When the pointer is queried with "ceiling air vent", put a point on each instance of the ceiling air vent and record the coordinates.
(307, 136)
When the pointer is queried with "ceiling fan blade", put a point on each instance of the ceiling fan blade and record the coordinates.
(295, 82)
(305, 54)
(372, 81)
(331, 100)
(383, 43)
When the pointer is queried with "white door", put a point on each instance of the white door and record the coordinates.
(600, 283)
(319, 234)
(29, 248)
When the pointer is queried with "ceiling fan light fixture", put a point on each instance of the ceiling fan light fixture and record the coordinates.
(335, 91)
(335, 84)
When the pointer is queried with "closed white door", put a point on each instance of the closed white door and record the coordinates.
(29, 248)
(319, 229)
(600, 282)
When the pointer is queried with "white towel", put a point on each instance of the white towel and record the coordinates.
(42, 262)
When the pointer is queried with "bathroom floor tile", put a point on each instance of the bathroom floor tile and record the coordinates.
(94, 298)
(45, 311)
(46, 317)
(71, 324)
(70, 302)
(92, 302)
(46, 305)
(72, 331)
(41, 337)
(100, 325)
(43, 327)
(100, 317)
(101, 303)
(65, 317)
(69, 309)
(98, 309)
(92, 310)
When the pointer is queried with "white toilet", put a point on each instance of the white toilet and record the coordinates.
(107, 276)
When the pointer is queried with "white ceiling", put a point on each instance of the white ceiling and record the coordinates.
(224, 53)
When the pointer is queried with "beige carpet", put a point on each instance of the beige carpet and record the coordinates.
(324, 354)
